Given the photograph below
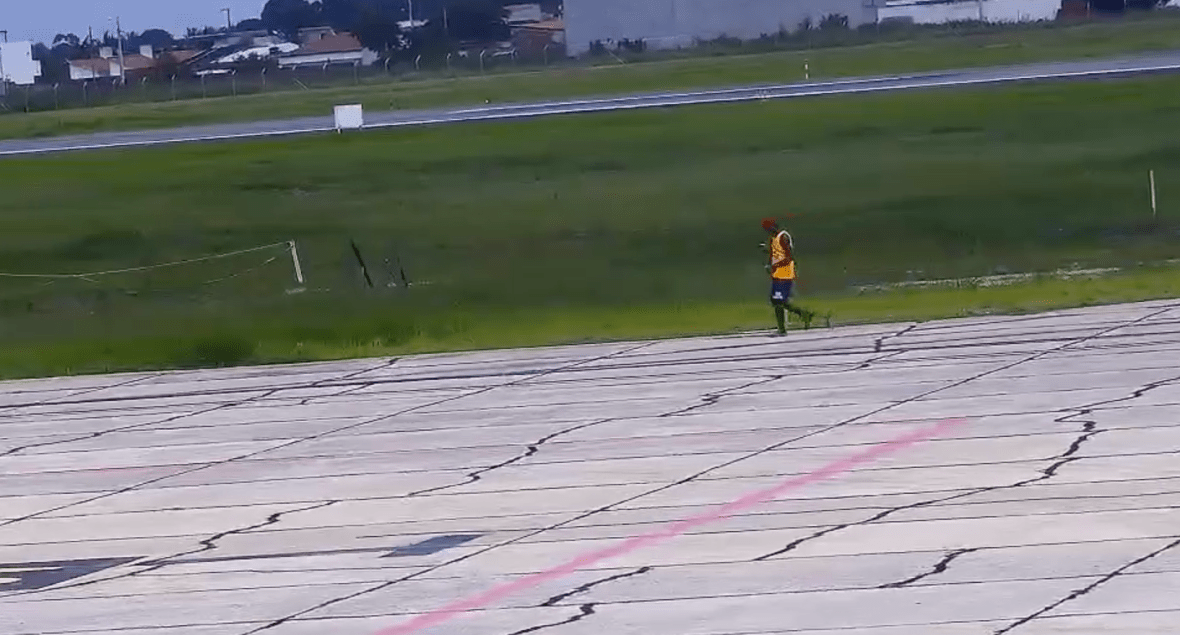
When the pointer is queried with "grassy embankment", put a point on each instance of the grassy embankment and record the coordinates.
(626, 225)
(928, 50)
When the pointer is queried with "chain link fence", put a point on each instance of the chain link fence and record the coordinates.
(257, 79)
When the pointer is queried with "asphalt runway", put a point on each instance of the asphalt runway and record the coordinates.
(354, 498)
(1162, 62)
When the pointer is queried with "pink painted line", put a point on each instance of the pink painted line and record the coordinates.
(752, 499)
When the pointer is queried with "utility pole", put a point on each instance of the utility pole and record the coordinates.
(411, 9)
(229, 23)
(3, 81)
(122, 64)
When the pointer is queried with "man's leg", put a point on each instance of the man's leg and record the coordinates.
(804, 315)
(780, 317)
(784, 292)
(778, 299)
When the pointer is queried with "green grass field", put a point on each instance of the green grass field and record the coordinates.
(639, 224)
(924, 51)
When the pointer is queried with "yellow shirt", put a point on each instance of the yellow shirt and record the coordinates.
(781, 248)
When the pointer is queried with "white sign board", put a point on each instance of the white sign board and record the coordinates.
(17, 64)
(350, 117)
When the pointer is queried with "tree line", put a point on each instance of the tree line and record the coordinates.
(374, 22)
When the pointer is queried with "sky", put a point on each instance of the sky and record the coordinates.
(40, 20)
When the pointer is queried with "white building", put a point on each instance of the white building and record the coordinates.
(960, 10)
(330, 50)
(677, 23)
(523, 14)
(17, 65)
(107, 64)
(259, 52)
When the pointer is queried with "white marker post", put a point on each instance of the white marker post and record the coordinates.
(295, 261)
(1154, 209)
(807, 70)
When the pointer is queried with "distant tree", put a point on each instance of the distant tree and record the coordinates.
(288, 16)
(349, 15)
(342, 15)
(479, 20)
(252, 24)
(54, 61)
(834, 22)
(1119, 6)
(159, 39)
(553, 7)
(206, 30)
(67, 40)
(378, 30)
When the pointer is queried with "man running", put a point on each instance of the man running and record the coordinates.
(782, 276)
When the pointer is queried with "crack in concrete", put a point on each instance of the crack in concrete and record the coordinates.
(103, 433)
(384, 585)
(1089, 588)
(530, 450)
(233, 404)
(54, 400)
(1088, 432)
(584, 611)
(711, 399)
(316, 436)
(939, 568)
(555, 600)
(868, 363)
(329, 382)
(206, 545)
(706, 401)
(879, 346)
(210, 543)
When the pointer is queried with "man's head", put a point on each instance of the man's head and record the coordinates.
(770, 225)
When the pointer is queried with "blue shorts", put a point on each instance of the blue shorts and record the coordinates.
(780, 290)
